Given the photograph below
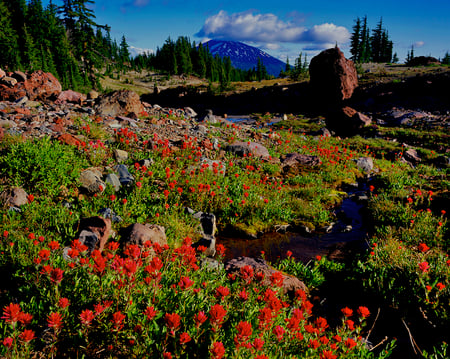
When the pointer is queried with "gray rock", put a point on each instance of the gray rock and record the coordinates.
(189, 112)
(8, 81)
(120, 155)
(109, 214)
(91, 181)
(125, 176)
(245, 148)
(14, 197)
(89, 239)
(211, 264)
(365, 163)
(21, 101)
(139, 234)
(147, 162)
(209, 242)
(411, 156)
(209, 117)
(113, 180)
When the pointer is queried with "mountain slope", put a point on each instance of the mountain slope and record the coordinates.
(245, 57)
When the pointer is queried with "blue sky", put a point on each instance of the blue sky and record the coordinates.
(282, 28)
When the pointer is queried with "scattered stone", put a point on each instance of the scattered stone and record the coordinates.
(101, 227)
(293, 162)
(19, 76)
(189, 112)
(120, 155)
(146, 162)
(14, 197)
(109, 214)
(92, 95)
(209, 117)
(290, 283)
(70, 96)
(69, 139)
(365, 163)
(119, 103)
(140, 233)
(113, 180)
(21, 101)
(248, 148)
(125, 176)
(91, 181)
(411, 156)
(333, 77)
(8, 81)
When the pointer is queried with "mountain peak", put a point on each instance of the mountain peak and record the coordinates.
(245, 57)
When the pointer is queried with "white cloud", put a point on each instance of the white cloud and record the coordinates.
(269, 29)
(134, 51)
(419, 43)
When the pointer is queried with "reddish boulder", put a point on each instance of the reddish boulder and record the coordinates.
(42, 86)
(2, 73)
(119, 103)
(100, 226)
(71, 97)
(332, 75)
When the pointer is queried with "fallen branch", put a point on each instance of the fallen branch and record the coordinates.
(413, 342)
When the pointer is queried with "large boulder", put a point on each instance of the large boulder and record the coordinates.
(333, 77)
(139, 234)
(290, 283)
(292, 163)
(248, 148)
(347, 121)
(14, 197)
(92, 228)
(42, 85)
(119, 103)
(70, 96)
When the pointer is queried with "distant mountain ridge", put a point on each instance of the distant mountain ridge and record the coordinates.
(245, 57)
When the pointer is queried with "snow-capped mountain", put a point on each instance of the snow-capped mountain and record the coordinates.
(245, 57)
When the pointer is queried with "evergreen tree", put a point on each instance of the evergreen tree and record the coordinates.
(9, 53)
(395, 58)
(446, 59)
(124, 53)
(365, 54)
(355, 41)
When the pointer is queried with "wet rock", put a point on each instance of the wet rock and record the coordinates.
(91, 181)
(125, 176)
(70, 96)
(293, 162)
(14, 197)
(141, 233)
(99, 226)
(19, 76)
(290, 284)
(119, 103)
(120, 155)
(332, 76)
(365, 163)
(113, 180)
(248, 148)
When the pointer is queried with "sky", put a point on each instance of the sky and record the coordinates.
(281, 28)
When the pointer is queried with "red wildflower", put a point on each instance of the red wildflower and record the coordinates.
(44, 254)
(167, 355)
(25, 318)
(313, 343)
(350, 343)
(220, 250)
(243, 295)
(8, 342)
(347, 312)
(363, 312)
(327, 354)
(217, 350)
(321, 323)
(86, 317)
(222, 292)
(11, 313)
(440, 286)
(56, 275)
(53, 245)
(184, 338)
(217, 314)
(54, 320)
(172, 320)
(200, 318)
(150, 313)
(30, 198)
(247, 273)
(424, 267)
(423, 247)
(185, 282)
(350, 324)
(63, 303)
(117, 320)
(277, 279)
(278, 331)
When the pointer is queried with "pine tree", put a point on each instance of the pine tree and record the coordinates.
(124, 53)
(395, 58)
(9, 53)
(446, 59)
(355, 41)
(376, 42)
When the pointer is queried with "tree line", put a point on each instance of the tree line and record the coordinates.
(371, 46)
(64, 40)
(183, 57)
